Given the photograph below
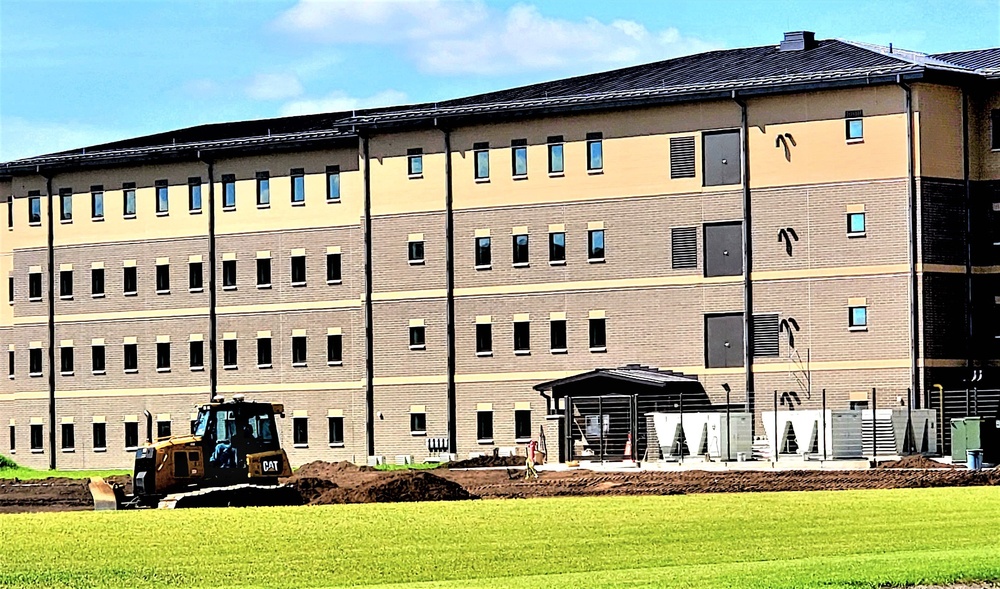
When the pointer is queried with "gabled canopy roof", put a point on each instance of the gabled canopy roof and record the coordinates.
(648, 379)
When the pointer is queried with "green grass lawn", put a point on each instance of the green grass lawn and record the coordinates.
(786, 540)
(11, 470)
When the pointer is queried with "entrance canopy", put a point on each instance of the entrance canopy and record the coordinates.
(631, 379)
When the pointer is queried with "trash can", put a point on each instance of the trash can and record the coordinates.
(975, 459)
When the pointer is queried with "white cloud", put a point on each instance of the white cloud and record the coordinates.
(340, 101)
(277, 86)
(21, 138)
(470, 37)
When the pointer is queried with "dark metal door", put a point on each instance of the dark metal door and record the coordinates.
(722, 158)
(724, 340)
(724, 249)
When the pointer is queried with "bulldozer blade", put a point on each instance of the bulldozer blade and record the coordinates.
(103, 494)
(243, 495)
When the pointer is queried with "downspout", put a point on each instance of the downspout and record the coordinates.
(968, 230)
(747, 252)
(50, 250)
(213, 328)
(369, 312)
(449, 252)
(911, 188)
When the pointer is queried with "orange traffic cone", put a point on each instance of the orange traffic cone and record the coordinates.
(628, 447)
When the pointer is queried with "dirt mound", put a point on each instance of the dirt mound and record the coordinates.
(330, 470)
(51, 494)
(407, 485)
(915, 461)
(312, 489)
(489, 462)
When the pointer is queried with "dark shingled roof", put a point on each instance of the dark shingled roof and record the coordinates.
(985, 60)
(635, 373)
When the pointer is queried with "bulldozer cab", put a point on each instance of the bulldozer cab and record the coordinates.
(232, 432)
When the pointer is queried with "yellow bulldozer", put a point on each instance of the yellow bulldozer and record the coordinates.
(231, 457)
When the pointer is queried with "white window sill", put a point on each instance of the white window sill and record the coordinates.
(298, 284)
(522, 352)
(34, 374)
(197, 369)
(228, 288)
(482, 180)
(298, 203)
(335, 363)
(521, 264)
(858, 328)
(34, 299)
(130, 294)
(519, 177)
(194, 212)
(99, 372)
(198, 289)
(230, 367)
(263, 205)
(299, 364)
(35, 224)
(557, 262)
(163, 370)
(855, 140)
(418, 433)
(97, 295)
(332, 201)
(331, 282)
(228, 209)
(100, 449)
(10, 376)
(556, 174)
(484, 354)
(483, 267)
(335, 445)
(264, 286)
(558, 350)
(67, 373)
(416, 262)
(65, 297)
(599, 350)
(522, 440)
(596, 260)
(163, 292)
(69, 450)
(131, 448)
(596, 171)
(414, 176)
(265, 366)
(300, 445)
(420, 347)
(857, 234)
(162, 213)
(132, 216)
(37, 450)
(485, 441)
(65, 221)
(131, 371)
(97, 219)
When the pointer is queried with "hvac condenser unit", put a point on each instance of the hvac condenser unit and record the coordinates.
(798, 432)
(702, 433)
(898, 431)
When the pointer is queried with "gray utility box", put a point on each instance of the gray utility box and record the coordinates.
(975, 433)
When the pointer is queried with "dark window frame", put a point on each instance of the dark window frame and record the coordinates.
(484, 426)
(230, 354)
(298, 270)
(34, 209)
(418, 337)
(66, 361)
(297, 184)
(595, 139)
(162, 197)
(98, 359)
(130, 278)
(333, 184)
(481, 161)
(598, 334)
(263, 183)
(518, 146)
(265, 351)
(34, 286)
(97, 203)
(163, 279)
(484, 339)
(300, 432)
(100, 436)
(66, 284)
(334, 349)
(229, 192)
(557, 251)
(67, 437)
(558, 335)
(196, 355)
(35, 362)
(300, 351)
(415, 252)
(556, 163)
(522, 338)
(194, 194)
(415, 163)
(196, 277)
(592, 249)
(37, 437)
(163, 356)
(130, 358)
(851, 232)
(263, 273)
(335, 425)
(65, 205)
(131, 435)
(418, 423)
(520, 250)
(854, 325)
(229, 275)
(522, 425)
(129, 205)
(484, 253)
(97, 283)
(334, 268)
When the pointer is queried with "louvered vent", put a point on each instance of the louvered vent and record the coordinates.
(684, 247)
(765, 335)
(682, 157)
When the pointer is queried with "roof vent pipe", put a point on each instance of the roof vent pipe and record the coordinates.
(798, 41)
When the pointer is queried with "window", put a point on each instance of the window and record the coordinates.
(195, 277)
(131, 357)
(13, 440)
(162, 278)
(595, 152)
(162, 429)
(263, 352)
(229, 274)
(263, 272)
(10, 363)
(484, 257)
(856, 224)
(684, 247)
(995, 129)
(522, 424)
(519, 157)
(194, 194)
(723, 244)
(65, 205)
(556, 164)
(520, 250)
(557, 248)
(35, 362)
(484, 339)
(66, 361)
(332, 183)
(263, 190)
(37, 437)
(128, 200)
(721, 158)
(595, 245)
(416, 251)
(418, 424)
(162, 197)
(10, 212)
(10, 290)
(724, 340)
(300, 432)
(228, 192)
(163, 356)
(68, 442)
(130, 281)
(97, 202)
(682, 157)
(334, 349)
(131, 435)
(34, 209)
(765, 335)
(481, 159)
(598, 334)
(854, 125)
(100, 436)
(857, 318)
(196, 353)
(333, 275)
(97, 359)
(484, 426)
(299, 350)
(65, 284)
(298, 270)
(415, 162)
(336, 425)
(35, 286)
(522, 337)
(97, 282)
(417, 337)
(557, 336)
(229, 354)
(298, 176)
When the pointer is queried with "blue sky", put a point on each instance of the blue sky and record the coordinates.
(77, 72)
